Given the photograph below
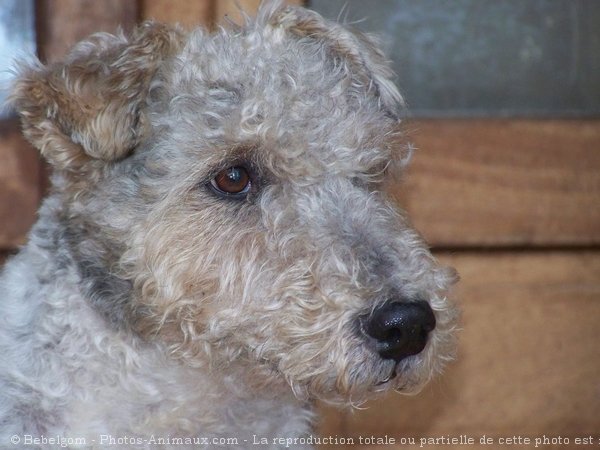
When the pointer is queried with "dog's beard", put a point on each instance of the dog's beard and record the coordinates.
(353, 378)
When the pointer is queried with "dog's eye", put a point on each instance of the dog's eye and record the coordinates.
(233, 182)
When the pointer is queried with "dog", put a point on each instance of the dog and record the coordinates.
(216, 253)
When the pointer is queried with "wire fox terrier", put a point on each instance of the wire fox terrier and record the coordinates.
(216, 253)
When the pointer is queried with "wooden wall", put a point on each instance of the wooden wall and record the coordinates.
(514, 205)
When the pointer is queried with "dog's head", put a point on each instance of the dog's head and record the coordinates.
(223, 196)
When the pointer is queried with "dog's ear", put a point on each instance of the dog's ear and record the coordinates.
(90, 107)
(361, 53)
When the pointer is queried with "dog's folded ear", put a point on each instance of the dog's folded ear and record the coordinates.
(91, 106)
(360, 52)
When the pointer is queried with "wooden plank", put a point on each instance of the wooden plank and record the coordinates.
(504, 182)
(19, 185)
(528, 359)
(187, 13)
(200, 12)
(63, 23)
(229, 9)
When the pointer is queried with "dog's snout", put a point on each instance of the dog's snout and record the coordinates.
(400, 329)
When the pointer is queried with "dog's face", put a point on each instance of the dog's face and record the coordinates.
(224, 197)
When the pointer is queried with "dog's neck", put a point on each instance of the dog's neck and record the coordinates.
(108, 384)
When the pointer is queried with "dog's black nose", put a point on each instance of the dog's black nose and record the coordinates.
(400, 328)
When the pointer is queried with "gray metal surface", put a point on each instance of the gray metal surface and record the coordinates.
(17, 40)
(536, 58)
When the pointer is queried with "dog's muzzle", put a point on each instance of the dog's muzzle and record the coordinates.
(400, 329)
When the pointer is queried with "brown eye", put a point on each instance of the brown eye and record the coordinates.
(234, 181)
